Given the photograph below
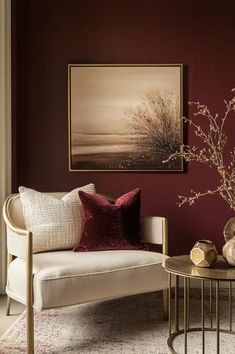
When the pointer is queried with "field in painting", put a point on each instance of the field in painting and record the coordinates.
(114, 152)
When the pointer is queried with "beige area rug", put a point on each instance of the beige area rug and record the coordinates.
(128, 325)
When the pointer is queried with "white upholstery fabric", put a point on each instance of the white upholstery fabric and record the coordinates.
(152, 229)
(55, 223)
(65, 278)
(16, 244)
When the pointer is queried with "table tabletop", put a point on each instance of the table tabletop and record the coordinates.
(183, 266)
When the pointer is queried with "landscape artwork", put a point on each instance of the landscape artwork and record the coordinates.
(125, 117)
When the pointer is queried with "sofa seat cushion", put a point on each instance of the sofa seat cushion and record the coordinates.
(63, 278)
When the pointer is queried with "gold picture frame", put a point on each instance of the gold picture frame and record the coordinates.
(124, 118)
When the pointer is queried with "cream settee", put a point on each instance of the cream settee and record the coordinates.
(63, 278)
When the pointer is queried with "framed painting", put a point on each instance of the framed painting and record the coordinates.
(124, 117)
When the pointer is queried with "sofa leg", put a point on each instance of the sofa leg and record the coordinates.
(30, 330)
(165, 304)
(29, 297)
(8, 309)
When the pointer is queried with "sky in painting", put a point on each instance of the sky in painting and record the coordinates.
(101, 96)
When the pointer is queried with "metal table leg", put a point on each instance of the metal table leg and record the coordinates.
(188, 302)
(211, 300)
(217, 318)
(202, 316)
(176, 303)
(185, 313)
(230, 308)
(169, 304)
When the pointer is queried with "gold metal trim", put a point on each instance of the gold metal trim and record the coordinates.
(176, 303)
(185, 313)
(195, 276)
(230, 307)
(123, 65)
(217, 319)
(169, 303)
(211, 299)
(188, 303)
(203, 316)
(174, 335)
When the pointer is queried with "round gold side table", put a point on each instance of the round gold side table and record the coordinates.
(182, 266)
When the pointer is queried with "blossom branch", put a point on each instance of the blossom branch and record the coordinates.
(214, 140)
(195, 196)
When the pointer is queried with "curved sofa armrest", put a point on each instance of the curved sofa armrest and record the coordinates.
(7, 218)
(19, 241)
(154, 229)
(20, 244)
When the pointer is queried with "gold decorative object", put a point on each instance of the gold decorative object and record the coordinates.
(229, 251)
(229, 247)
(203, 253)
(229, 230)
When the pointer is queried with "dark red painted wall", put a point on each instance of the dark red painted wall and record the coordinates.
(49, 34)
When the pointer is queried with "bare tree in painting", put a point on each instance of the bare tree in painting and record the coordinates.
(157, 117)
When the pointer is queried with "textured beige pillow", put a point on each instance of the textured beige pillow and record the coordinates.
(55, 223)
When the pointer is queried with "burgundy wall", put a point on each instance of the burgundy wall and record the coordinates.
(47, 35)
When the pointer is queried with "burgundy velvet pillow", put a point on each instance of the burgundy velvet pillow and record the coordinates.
(111, 226)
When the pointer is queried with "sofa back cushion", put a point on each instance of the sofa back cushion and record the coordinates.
(56, 223)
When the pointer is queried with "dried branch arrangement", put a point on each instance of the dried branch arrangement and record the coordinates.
(212, 152)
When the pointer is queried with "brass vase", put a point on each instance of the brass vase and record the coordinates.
(229, 247)
(229, 251)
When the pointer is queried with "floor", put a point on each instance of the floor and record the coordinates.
(6, 321)
(126, 325)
